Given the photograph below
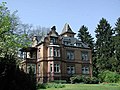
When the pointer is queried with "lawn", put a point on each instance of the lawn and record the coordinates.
(87, 87)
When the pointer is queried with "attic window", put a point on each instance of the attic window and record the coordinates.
(52, 40)
(66, 43)
(78, 44)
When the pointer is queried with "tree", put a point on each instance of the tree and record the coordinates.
(11, 77)
(104, 46)
(85, 37)
(117, 45)
(10, 41)
(39, 31)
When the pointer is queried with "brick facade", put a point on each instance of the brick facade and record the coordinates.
(56, 57)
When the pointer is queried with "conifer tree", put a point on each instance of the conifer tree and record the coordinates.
(104, 45)
(85, 37)
(117, 45)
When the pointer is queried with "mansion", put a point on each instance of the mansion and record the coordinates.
(57, 56)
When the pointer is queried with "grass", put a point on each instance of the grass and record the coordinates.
(87, 87)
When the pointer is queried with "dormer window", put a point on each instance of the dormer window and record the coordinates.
(53, 40)
(66, 43)
(78, 44)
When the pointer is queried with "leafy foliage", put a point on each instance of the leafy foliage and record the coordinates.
(84, 79)
(10, 41)
(12, 78)
(108, 76)
(49, 85)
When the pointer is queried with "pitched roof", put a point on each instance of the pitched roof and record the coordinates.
(66, 29)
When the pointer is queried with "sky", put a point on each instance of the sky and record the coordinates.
(47, 13)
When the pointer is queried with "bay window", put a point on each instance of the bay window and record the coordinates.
(54, 52)
(50, 51)
(57, 68)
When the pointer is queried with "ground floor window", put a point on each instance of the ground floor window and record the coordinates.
(70, 69)
(85, 69)
(57, 68)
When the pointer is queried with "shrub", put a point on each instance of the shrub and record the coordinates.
(108, 76)
(49, 85)
(84, 79)
(94, 80)
(59, 81)
(41, 86)
(87, 80)
(76, 79)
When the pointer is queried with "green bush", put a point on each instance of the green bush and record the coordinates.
(94, 80)
(59, 81)
(76, 79)
(108, 76)
(41, 86)
(84, 79)
(50, 85)
(87, 80)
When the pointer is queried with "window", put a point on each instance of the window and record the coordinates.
(70, 69)
(23, 55)
(38, 70)
(52, 40)
(78, 44)
(31, 67)
(50, 51)
(85, 70)
(66, 43)
(57, 68)
(32, 55)
(85, 56)
(56, 52)
(70, 55)
(50, 67)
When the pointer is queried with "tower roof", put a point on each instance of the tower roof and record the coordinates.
(67, 29)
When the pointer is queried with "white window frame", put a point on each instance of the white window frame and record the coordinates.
(50, 51)
(56, 52)
(57, 68)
